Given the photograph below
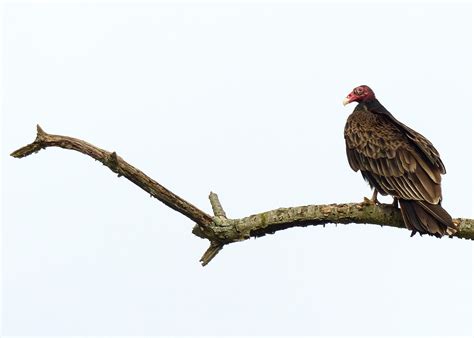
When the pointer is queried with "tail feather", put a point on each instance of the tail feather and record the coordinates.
(426, 218)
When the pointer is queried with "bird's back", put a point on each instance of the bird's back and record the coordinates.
(373, 135)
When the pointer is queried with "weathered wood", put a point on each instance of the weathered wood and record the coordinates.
(269, 222)
(120, 167)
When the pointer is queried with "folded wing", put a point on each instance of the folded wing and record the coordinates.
(404, 165)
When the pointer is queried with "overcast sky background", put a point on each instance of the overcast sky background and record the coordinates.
(243, 99)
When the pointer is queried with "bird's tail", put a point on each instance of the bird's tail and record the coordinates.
(426, 218)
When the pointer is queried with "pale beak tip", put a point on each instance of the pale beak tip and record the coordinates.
(345, 101)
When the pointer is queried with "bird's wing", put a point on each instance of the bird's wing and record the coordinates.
(426, 147)
(419, 141)
(391, 163)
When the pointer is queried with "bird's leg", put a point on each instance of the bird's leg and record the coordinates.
(373, 200)
(395, 202)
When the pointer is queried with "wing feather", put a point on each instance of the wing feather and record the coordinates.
(392, 161)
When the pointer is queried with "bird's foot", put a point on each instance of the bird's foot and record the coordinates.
(395, 203)
(373, 200)
(370, 201)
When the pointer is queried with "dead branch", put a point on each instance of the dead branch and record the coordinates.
(119, 166)
(220, 230)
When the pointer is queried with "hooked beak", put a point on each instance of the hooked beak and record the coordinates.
(349, 98)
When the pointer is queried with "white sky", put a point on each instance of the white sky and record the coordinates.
(243, 99)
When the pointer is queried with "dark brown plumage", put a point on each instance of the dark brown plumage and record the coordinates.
(397, 161)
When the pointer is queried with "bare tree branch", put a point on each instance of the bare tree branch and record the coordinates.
(220, 230)
(117, 165)
(269, 222)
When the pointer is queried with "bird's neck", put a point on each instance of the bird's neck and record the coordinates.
(373, 106)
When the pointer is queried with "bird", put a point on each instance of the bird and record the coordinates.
(398, 161)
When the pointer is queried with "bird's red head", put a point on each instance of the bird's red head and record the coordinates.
(359, 94)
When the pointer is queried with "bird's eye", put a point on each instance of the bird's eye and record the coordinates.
(358, 91)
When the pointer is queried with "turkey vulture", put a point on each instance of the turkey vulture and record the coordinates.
(396, 160)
